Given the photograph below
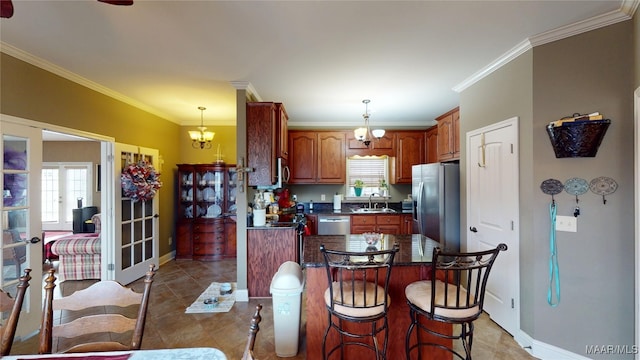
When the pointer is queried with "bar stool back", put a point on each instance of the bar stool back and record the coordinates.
(358, 292)
(454, 294)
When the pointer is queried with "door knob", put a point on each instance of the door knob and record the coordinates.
(34, 240)
(473, 229)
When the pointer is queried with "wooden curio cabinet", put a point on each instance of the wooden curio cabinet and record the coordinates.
(205, 212)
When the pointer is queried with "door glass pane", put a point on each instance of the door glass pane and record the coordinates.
(50, 195)
(126, 234)
(126, 257)
(15, 213)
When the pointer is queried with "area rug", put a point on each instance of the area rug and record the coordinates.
(224, 303)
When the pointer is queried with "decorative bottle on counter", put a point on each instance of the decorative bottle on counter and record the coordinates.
(259, 210)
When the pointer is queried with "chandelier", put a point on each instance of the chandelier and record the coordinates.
(201, 138)
(365, 134)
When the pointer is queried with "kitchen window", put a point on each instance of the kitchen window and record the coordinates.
(372, 170)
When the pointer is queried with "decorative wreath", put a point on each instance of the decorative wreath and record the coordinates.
(140, 181)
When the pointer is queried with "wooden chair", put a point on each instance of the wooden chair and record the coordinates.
(112, 298)
(253, 330)
(454, 294)
(13, 306)
(358, 292)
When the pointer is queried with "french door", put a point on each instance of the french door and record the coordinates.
(65, 186)
(21, 227)
(136, 222)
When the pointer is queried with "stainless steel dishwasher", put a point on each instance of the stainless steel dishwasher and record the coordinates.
(334, 224)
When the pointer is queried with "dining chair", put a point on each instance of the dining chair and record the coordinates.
(12, 306)
(253, 330)
(357, 293)
(454, 294)
(101, 308)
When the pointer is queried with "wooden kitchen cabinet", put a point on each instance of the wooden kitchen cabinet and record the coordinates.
(282, 120)
(206, 200)
(386, 145)
(432, 145)
(386, 224)
(267, 249)
(266, 141)
(406, 224)
(317, 157)
(410, 146)
(449, 135)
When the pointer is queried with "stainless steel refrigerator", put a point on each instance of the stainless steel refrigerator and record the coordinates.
(436, 203)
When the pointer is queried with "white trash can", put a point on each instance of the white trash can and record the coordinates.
(286, 290)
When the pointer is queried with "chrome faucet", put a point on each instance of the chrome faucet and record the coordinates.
(370, 199)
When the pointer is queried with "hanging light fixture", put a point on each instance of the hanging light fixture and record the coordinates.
(201, 138)
(365, 134)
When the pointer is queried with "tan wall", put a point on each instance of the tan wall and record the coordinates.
(31, 93)
(225, 137)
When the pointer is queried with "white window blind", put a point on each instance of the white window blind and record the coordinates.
(371, 170)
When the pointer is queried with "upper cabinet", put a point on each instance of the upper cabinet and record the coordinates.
(432, 144)
(386, 145)
(449, 135)
(266, 141)
(410, 146)
(283, 131)
(317, 157)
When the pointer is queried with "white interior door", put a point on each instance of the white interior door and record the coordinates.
(136, 222)
(492, 214)
(21, 227)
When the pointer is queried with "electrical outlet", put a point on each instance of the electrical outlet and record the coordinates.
(322, 197)
(567, 223)
(170, 240)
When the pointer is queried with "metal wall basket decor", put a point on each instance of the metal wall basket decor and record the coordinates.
(577, 135)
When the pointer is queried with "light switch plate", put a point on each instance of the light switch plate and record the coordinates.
(567, 223)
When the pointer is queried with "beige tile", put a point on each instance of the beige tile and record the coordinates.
(178, 283)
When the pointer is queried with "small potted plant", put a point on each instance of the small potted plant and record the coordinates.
(357, 186)
(384, 187)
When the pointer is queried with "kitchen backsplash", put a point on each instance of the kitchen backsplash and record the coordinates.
(305, 193)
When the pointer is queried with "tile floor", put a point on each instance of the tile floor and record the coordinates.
(178, 283)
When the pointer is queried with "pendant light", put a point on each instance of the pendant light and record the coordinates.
(201, 138)
(365, 134)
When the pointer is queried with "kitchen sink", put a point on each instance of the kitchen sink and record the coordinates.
(373, 211)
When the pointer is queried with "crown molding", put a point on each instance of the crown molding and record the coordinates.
(57, 70)
(625, 12)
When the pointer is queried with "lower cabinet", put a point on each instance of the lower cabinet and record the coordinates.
(267, 249)
(207, 240)
(386, 224)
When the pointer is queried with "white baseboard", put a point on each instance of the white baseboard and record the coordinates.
(545, 351)
(242, 295)
(166, 258)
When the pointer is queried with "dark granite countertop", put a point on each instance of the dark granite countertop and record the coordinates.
(414, 249)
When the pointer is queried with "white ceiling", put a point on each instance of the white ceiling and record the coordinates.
(320, 58)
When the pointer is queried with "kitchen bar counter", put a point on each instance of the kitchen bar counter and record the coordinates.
(413, 249)
(412, 263)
